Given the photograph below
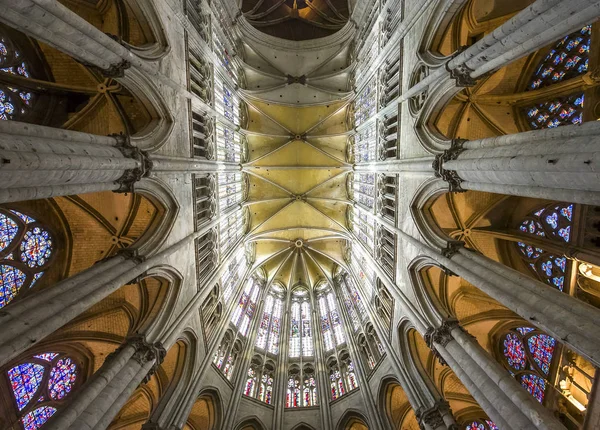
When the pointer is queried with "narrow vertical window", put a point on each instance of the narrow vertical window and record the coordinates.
(307, 340)
(295, 330)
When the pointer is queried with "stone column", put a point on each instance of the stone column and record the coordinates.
(42, 162)
(281, 374)
(431, 410)
(322, 375)
(558, 164)
(98, 401)
(359, 368)
(506, 402)
(534, 27)
(185, 410)
(59, 304)
(54, 24)
(244, 363)
(567, 319)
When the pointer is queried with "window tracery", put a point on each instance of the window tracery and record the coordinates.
(528, 355)
(365, 105)
(553, 222)
(364, 189)
(14, 103)
(229, 144)
(230, 190)
(259, 380)
(227, 353)
(269, 329)
(40, 385)
(362, 224)
(243, 313)
(365, 145)
(567, 59)
(231, 229)
(233, 274)
(331, 325)
(26, 249)
(301, 338)
(227, 103)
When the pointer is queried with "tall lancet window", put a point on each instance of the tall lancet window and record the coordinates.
(331, 324)
(301, 339)
(567, 59)
(302, 385)
(233, 274)
(246, 306)
(270, 326)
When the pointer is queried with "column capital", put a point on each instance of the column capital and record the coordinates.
(433, 416)
(452, 248)
(147, 352)
(450, 176)
(131, 254)
(441, 335)
(131, 176)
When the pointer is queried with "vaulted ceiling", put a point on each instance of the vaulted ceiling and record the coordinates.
(297, 169)
(297, 19)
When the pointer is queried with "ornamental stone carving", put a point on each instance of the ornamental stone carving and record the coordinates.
(450, 176)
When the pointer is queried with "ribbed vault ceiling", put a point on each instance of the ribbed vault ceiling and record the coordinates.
(296, 169)
(296, 19)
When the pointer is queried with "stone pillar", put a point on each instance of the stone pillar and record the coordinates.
(99, 400)
(42, 162)
(506, 402)
(431, 410)
(361, 375)
(185, 410)
(244, 362)
(437, 417)
(559, 164)
(279, 393)
(567, 319)
(534, 27)
(54, 24)
(322, 375)
(59, 304)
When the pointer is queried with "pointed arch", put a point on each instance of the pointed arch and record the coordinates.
(350, 418)
(251, 423)
(420, 209)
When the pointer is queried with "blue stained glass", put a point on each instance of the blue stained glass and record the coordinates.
(565, 233)
(552, 220)
(11, 281)
(541, 347)
(25, 218)
(514, 351)
(48, 356)
(36, 247)
(36, 277)
(559, 282)
(37, 418)
(475, 426)
(62, 378)
(8, 231)
(492, 425)
(567, 212)
(525, 330)
(25, 379)
(536, 385)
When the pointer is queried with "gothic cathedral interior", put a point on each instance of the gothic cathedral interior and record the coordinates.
(299, 214)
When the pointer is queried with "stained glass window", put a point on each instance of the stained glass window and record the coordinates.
(263, 329)
(351, 377)
(22, 238)
(232, 276)
(553, 222)
(310, 391)
(250, 383)
(229, 144)
(365, 145)
(363, 270)
(274, 333)
(337, 385)
(363, 226)
(528, 355)
(307, 340)
(230, 231)
(265, 392)
(481, 424)
(13, 102)
(230, 189)
(331, 325)
(243, 313)
(364, 187)
(475, 426)
(293, 393)
(226, 102)
(365, 104)
(546, 266)
(567, 59)
(46, 377)
(295, 337)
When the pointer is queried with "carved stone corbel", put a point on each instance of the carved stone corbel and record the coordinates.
(434, 416)
(441, 335)
(450, 176)
(131, 176)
